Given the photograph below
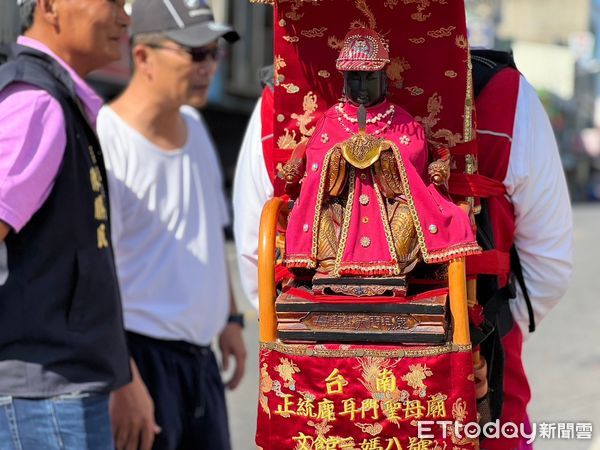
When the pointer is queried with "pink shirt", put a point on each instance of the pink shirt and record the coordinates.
(33, 140)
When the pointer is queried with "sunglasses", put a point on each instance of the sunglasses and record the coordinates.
(198, 54)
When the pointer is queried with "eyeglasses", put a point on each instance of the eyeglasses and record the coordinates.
(198, 54)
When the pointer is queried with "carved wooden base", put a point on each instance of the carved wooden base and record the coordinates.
(360, 286)
(378, 320)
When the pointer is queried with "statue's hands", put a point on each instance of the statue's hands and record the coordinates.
(293, 171)
(439, 172)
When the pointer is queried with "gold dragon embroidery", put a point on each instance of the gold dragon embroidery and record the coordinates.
(286, 370)
(314, 32)
(416, 377)
(295, 7)
(279, 64)
(422, 5)
(395, 71)
(441, 32)
(434, 108)
(266, 385)
(289, 139)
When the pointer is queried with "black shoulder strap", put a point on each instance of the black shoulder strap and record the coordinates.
(486, 64)
(517, 270)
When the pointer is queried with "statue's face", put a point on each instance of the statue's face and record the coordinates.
(365, 88)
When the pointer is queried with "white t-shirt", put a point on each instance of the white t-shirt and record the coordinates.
(167, 215)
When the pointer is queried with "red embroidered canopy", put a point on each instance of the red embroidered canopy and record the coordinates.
(429, 69)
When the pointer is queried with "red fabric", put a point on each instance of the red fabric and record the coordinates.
(266, 120)
(452, 234)
(490, 262)
(496, 108)
(281, 273)
(516, 390)
(308, 38)
(273, 159)
(333, 299)
(475, 185)
(409, 389)
(476, 316)
(465, 148)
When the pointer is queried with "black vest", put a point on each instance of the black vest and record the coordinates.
(61, 323)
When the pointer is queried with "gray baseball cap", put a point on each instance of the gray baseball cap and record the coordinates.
(187, 22)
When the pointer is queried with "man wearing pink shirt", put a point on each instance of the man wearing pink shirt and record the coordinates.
(62, 347)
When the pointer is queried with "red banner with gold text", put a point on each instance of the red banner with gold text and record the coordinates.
(327, 397)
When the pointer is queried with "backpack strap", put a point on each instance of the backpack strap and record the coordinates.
(486, 64)
(517, 270)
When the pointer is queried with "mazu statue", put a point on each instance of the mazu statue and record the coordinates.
(370, 194)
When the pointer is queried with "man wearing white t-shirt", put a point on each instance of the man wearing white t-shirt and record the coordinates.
(168, 212)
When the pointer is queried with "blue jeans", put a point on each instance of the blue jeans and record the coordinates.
(65, 422)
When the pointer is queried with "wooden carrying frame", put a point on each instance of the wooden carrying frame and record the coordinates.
(272, 215)
(297, 377)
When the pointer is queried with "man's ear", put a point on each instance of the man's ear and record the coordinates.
(142, 62)
(48, 11)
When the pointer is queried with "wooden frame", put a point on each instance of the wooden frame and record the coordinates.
(266, 281)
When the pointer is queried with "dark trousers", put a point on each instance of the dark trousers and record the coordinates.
(189, 399)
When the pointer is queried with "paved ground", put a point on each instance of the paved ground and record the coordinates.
(562, 358)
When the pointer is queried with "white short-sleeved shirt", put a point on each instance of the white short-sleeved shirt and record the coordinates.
(167, 214)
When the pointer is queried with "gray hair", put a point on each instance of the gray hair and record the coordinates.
(147, 38)
(144, 39)
(26, 11)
